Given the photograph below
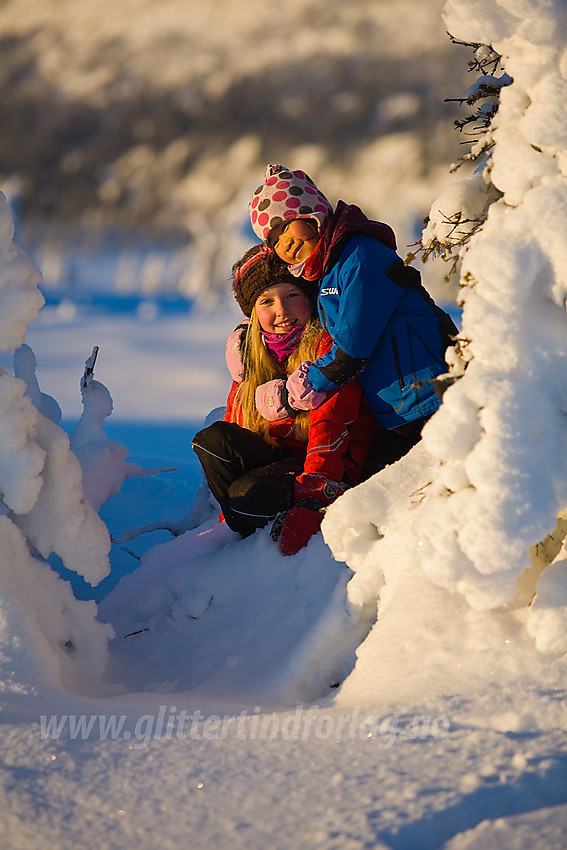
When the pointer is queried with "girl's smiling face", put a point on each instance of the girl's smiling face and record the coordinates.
(296, 241)
(282, 307)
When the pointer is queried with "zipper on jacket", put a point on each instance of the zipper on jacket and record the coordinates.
(398, 364)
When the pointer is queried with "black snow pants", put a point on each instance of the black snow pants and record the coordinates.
(251, 480)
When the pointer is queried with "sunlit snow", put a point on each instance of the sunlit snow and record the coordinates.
(400, 682)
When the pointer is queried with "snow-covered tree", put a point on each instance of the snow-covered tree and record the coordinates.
(43, 509)
(499, 441)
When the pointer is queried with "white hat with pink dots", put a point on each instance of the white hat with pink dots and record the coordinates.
(284, 196)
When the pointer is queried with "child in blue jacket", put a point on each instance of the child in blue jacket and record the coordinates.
(386, 329)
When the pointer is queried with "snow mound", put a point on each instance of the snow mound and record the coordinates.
(246, 620)
(48, 639)
(427, 641)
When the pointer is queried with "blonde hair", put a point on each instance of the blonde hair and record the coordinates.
(260, 366)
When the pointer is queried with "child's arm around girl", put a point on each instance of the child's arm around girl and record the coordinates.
(386, 329)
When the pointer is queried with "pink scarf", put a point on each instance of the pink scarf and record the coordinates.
(281, 346)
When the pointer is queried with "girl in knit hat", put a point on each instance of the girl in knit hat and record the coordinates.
(386, 329)
(296, 465)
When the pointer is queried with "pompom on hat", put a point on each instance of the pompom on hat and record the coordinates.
(284, 196)
(258, 270)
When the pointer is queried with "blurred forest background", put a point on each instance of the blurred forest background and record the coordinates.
(138, 122)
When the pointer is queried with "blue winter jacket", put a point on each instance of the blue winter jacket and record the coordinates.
(388, 334)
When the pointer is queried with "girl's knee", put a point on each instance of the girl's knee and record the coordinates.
(211, 436)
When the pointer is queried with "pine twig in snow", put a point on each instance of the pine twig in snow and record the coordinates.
(88, 374)
(175, 529)
(137, 471)
(484, 94)
(457, 236)
(486, 59)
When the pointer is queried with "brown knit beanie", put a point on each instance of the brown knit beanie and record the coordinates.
(258, 270)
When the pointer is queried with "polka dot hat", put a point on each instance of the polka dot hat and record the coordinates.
(284, 196)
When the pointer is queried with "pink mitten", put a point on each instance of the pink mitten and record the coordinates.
(301, 394)
(233, 354)
(269, 402)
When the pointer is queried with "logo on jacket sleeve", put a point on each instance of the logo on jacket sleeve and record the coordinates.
(329, 290)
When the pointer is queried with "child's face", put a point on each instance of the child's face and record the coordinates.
(282, 308)
(296, 241)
